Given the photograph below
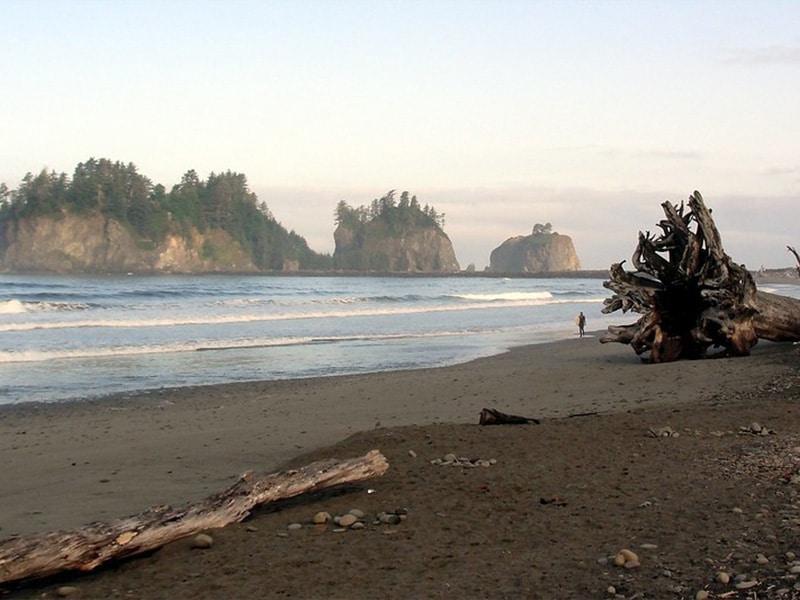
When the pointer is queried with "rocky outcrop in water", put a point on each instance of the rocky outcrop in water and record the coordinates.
(540, 252)
(413, 250)
(391, 236)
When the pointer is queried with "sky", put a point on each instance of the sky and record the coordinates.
(500, 114)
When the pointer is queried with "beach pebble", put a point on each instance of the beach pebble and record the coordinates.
(626, 558)
(388, 518)
(67, 590)
(746, 585)
(359, 514)
(612, 591)
(346, 520)
(412, 454)
(761, 559)
(701, 595)
(322, 517)
(202, 541)
(294, 526)
(794, 569)
(723, 578)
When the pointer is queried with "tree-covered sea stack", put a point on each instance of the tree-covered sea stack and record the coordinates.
(392, 235)
(116, 194)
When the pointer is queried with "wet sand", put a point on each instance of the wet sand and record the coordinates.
(480, 533)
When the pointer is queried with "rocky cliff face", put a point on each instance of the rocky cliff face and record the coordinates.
(537, 253)
(415, 250)
(72, 244)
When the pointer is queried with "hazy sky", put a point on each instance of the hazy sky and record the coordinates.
(500, 114)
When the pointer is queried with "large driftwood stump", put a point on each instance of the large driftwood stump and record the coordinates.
(691, 295)
(85, 548)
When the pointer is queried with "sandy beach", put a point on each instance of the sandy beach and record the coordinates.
(706, 494)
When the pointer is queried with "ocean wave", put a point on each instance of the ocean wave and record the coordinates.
(12, 307)
(208, 346)
(506, 296)
(17, 307)
(245, 302)
(526, 300)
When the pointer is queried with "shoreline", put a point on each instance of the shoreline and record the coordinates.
(71, 463)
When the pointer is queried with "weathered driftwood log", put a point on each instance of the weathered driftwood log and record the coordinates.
(85, 548)
(490, 416)
(691, 295)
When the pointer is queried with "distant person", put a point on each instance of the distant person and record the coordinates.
(581, 321)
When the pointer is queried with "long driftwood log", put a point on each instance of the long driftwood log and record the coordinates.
(85, 548)
(691, 295)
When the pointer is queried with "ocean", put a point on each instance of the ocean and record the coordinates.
(66, 338)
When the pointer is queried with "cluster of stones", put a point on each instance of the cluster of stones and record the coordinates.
(746, 581)
(451, 460)
(353, 519)
(756, 428)
(723, 576)
(624, 558)
(660, 432)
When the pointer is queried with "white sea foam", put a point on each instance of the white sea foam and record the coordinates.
(12, 307)
(216, 345)
(509, 301)
(509, 296)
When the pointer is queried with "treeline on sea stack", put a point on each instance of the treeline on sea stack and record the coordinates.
(396, 215)
(384, 218)
(119, 192)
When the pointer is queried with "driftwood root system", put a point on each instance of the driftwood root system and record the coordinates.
(692, 297)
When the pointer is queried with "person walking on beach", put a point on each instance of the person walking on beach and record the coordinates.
(581, 321)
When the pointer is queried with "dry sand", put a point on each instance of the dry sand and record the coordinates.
(710, 499)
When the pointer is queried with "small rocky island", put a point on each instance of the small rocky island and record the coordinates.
(542, 251)
(392, 236)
